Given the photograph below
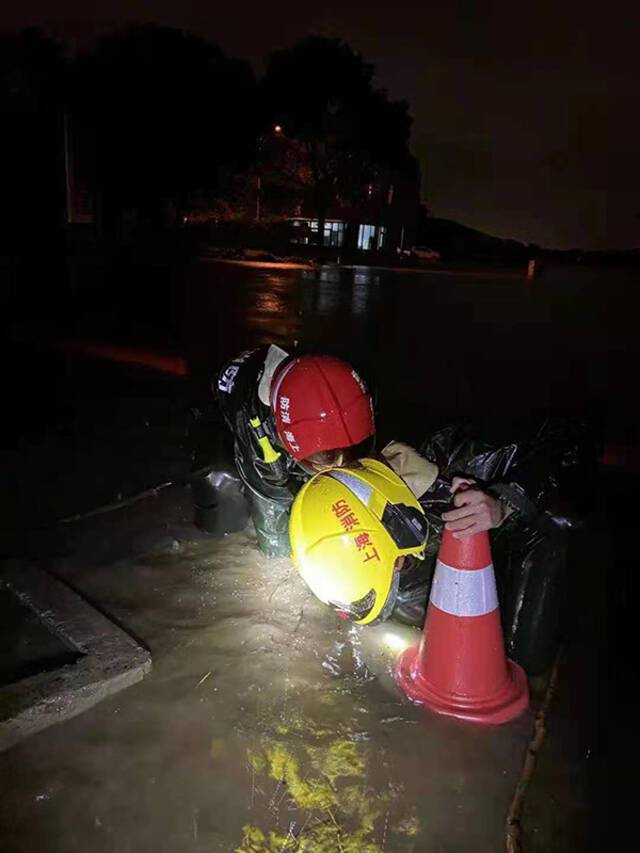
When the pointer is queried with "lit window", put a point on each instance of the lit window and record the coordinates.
(333, 233)
(381, 235)
(367, 237)
(301, 235)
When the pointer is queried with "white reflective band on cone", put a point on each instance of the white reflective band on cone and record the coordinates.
(464, 592)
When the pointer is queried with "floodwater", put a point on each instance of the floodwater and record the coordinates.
(265, 725)
(433, 347)
(437, 346)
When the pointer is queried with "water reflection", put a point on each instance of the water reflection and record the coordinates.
(269, 303)
(329, 274)
(331, 309)
(350, 300)
(331, 291)
(436, 347)
(360, 299)
(272, 314)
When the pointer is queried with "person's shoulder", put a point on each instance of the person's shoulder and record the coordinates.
(241, 369)
(248, 376)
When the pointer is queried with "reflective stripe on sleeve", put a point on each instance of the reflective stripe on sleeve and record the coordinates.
(463, 592)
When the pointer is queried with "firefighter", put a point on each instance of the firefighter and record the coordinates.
(290, 416)
(467, 485)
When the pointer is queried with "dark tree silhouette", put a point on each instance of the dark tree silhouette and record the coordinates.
(33, 259)
(341, 130)
(169, 115)
(32, 80)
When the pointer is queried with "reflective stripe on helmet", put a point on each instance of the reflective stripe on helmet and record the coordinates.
(406, 525)
(462, 592)
(359, 488)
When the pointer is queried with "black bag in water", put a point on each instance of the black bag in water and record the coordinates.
(219, 503)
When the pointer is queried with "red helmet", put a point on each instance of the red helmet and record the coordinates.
(320, 403)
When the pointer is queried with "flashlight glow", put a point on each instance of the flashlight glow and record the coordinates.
(396, 643)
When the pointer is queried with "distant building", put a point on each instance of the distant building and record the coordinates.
(385, 222)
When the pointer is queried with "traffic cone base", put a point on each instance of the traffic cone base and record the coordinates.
(508, 703)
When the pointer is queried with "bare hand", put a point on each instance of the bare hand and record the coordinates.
(475, 510)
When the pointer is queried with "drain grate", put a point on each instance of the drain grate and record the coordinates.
(60, 655)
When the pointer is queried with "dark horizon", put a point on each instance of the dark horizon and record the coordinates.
(523, 120)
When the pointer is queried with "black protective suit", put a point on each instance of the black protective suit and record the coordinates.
(544, 478)
(269, 487)
(539, 474)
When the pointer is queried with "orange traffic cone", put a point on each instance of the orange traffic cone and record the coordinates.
(460, 668)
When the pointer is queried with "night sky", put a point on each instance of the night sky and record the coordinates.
(527, 120)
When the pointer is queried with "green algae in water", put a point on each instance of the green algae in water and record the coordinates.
(321, 774)
(341, 758)
(324, 838)
(255, 841)
(344, 817)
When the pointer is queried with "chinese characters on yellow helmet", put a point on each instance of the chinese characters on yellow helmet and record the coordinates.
(349, 528)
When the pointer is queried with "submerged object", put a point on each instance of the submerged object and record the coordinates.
(220, 506)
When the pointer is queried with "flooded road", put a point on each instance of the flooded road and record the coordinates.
(437, 346)
(266, 725)
(433, 347)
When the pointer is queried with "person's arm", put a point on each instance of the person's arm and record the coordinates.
(475, 510)
(517, 479)
(417, 472)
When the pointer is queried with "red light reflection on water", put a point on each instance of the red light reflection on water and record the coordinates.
(139, 358)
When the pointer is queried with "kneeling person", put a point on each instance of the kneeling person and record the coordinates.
(290, 417)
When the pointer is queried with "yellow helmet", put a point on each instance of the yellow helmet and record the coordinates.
(348, 527)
